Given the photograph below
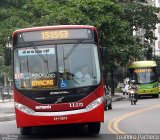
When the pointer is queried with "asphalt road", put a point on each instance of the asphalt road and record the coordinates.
(124, 118)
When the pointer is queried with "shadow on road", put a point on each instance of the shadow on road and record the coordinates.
(146, 97)
(59, 132)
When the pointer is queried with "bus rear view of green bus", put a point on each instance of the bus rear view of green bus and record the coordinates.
(145, 75)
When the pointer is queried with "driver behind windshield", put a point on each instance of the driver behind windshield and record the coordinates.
(83, 77)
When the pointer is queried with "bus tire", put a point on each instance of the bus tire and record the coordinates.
(25, 130)
(155, 96)
(110, 106)
(94, 128)
(105, 106)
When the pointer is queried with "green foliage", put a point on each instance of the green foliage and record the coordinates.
(140, 15)
(114, 32)
(114, 21)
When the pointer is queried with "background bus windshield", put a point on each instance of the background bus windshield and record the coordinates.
(144, 75)
(56, 66)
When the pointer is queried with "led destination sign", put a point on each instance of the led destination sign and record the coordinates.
(142, 70)
(42, 83)
(55, 34)
(60, 34)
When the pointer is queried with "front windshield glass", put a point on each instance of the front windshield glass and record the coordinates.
(56, 66)
(144, 75)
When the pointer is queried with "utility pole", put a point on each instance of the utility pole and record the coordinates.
(5, 79)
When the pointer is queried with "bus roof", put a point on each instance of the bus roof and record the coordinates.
(51, 27)
(141, 64)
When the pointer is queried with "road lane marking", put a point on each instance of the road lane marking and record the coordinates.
(113, 125)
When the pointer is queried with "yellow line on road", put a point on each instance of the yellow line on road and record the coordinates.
(113, 125)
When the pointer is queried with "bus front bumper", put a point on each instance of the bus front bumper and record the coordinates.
(28, 118)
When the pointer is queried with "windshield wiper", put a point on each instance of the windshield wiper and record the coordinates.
(27, 44)
(72, 49)
(38, 52)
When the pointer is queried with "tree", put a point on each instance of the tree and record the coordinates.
(141, 15)
(114, 21)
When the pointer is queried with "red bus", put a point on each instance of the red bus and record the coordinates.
(47, 90)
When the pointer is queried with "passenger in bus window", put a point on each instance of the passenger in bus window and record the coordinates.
(83, 77)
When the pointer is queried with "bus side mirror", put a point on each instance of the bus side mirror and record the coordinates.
(7, 56)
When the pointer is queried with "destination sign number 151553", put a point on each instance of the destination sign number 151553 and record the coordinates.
(54, 34)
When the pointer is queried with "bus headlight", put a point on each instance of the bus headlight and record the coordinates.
(24, 108)
(94, 104)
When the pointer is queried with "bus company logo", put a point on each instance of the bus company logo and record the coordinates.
(59, 100)
(59, 92)
(43, 107)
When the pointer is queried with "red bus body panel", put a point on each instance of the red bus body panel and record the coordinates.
(95, 115)
(24, 120)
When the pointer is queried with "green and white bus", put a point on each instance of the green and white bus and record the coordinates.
(146, 77)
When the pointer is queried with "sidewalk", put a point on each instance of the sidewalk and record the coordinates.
(7, 110)
(118, 97)
(7, 107)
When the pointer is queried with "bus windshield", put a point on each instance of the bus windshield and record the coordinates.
(56, 66)
(144, 75)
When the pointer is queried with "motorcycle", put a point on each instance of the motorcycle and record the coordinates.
(133, 96)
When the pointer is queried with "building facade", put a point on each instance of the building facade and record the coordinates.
(157, 31)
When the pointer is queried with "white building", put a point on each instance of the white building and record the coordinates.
(157, 31)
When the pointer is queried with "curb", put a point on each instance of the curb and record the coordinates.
(117, 99)
(6, 100)
(7, 117)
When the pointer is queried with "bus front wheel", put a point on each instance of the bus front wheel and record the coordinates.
(156, 96)
(25, 130)
(94, 128)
